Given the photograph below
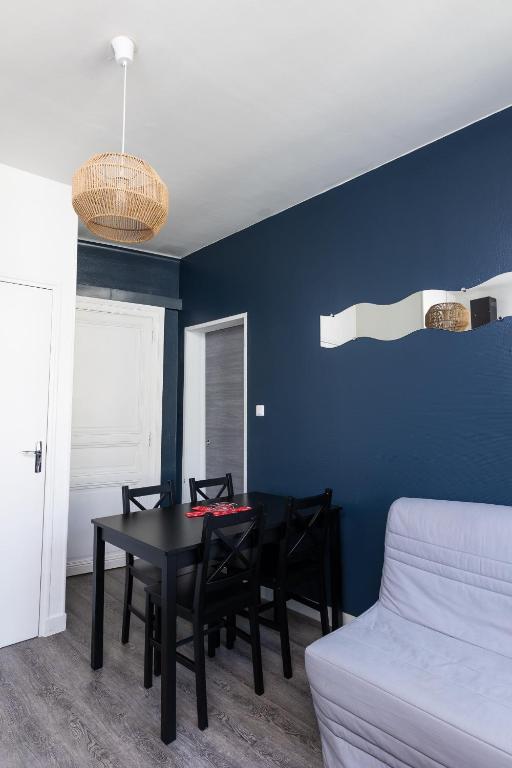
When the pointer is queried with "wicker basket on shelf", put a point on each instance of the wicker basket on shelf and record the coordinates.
(448, 316)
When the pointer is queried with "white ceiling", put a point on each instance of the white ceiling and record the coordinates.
(246, 107)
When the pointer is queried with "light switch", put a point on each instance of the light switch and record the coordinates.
(260, 410)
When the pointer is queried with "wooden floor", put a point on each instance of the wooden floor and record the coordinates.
(55, 711)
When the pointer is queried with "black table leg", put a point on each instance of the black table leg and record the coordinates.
(168, 655)
(98, 597)
(335, 564)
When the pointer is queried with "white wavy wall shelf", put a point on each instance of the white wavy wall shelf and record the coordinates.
(387, 322)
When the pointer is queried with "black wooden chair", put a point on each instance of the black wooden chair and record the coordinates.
(225, 582)
(140, 569)
(223, 488)
(296, 567)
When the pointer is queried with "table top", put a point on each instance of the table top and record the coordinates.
(169, 529)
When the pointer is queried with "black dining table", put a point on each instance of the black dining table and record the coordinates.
(169, 539)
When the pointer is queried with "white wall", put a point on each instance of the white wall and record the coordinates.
(39, 241)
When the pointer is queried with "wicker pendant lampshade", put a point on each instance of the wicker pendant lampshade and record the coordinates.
(118, 196)
(447, 316)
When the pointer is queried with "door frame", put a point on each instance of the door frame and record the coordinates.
(194, 397)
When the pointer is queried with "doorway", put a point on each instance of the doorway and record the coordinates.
(215, 401)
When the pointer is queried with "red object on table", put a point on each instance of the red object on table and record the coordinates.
(221, 508)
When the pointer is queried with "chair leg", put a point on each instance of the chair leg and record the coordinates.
(324, 612)
(148, 646)
(283, 631)
(157, 656)
(128, 591)
(212, 642)
(217, 638)
(230, 630)
(199, 663)
(257, 666)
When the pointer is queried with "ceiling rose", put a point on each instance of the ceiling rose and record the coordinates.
(118, 196)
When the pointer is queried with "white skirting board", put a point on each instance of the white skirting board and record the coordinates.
(112, 560)
(52, 625)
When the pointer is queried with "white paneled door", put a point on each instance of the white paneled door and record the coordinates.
(25, 336)
(117, 413)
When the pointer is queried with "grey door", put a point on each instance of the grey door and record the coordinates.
(225, 404)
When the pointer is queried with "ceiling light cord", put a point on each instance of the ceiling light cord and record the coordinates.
(125, 67)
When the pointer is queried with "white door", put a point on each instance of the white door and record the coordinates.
(25, 335)
(117, 414)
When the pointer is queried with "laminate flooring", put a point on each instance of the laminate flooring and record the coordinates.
(55, 711)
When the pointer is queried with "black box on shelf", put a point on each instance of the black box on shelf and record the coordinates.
(483, 311)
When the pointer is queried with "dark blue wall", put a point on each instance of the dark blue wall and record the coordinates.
(428, 415)
(127, 270)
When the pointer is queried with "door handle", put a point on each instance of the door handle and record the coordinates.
(38, 456)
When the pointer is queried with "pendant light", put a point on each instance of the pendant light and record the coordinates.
(118, 196)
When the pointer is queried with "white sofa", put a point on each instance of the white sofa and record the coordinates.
(424, 678)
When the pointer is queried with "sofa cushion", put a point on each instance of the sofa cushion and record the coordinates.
(410, 696)
(448, 566)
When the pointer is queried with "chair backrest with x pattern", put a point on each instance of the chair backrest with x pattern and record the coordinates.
(305, 534)
(231, 551)
(131, 496)
(223, 488)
